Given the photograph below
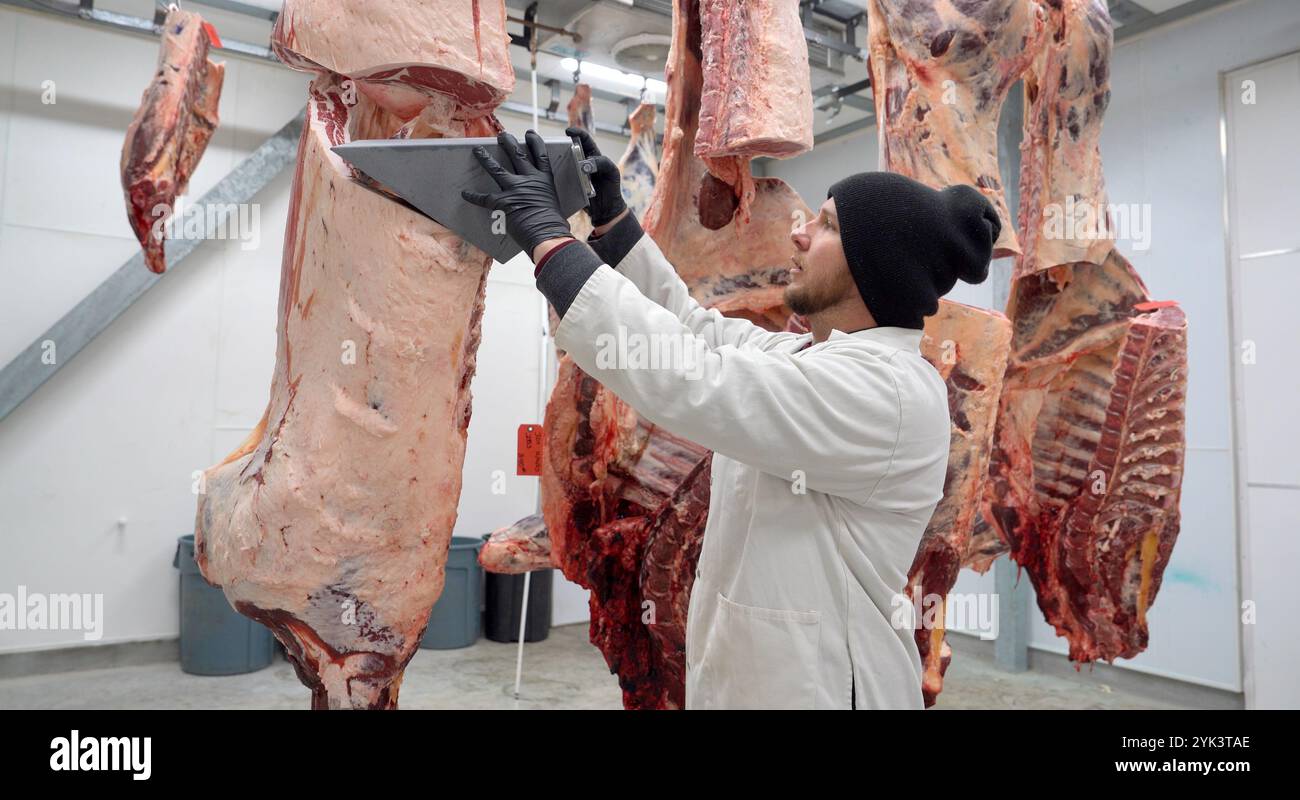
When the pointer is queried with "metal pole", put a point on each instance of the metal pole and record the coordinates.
(1011, 648)
(541, 379)
(523, 626)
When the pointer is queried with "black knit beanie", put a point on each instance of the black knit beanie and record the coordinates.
(907, 244)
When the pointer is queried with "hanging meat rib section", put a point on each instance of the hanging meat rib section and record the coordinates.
(331, 523)
(968, 346)
(615, 487)
(580, 116)
(170, 131)
(579, 108)
(1088, 459)
(755, 95)
(940, 72)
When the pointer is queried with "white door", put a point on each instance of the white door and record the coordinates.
(1262, 115)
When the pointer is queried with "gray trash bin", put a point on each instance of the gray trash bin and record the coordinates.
(456, 618)
(216, 639)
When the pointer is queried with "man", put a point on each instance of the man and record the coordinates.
(830, 446)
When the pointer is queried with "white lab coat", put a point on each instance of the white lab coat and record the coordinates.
(797, 597)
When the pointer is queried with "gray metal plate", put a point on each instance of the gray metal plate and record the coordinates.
(430, 174)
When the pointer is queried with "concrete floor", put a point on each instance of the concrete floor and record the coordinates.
(564, 671)
(977, 682)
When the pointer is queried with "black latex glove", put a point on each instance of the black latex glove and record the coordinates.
(608, 202)
(527, 195)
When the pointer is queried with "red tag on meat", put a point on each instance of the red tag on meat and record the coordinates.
(529, 450)
(211, 31)
(1155, 305)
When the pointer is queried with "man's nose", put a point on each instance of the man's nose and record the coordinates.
(798, 236)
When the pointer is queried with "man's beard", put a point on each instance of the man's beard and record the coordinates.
(810, 299)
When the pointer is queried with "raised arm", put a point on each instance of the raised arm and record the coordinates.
(627, 248)
(635, 255)
(829, 420)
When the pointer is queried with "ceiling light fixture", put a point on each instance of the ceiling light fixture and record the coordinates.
(654, 88)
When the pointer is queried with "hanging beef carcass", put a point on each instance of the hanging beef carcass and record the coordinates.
(939, 73)
(331, 523)
(615, 487)
(725, 231)
(727, 234)
(751, 98)
(579, 108)
(1088, 458)
(638, 169)
(171, 130)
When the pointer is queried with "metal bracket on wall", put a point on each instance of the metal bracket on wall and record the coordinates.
(849, 15)
(97, 310)
(832, 96)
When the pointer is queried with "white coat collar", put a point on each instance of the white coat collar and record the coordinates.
(902, 338)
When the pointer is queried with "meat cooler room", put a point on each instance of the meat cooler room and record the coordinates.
(649, 354)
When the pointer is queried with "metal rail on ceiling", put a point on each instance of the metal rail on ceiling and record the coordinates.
(236, 7)
(84, 11)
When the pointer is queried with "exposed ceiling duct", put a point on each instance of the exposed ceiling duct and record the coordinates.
(643, 52)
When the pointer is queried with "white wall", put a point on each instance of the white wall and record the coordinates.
(1161, 146)
(181, 378)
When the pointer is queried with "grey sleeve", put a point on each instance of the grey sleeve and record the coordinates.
(614, 245)
(564, 274)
